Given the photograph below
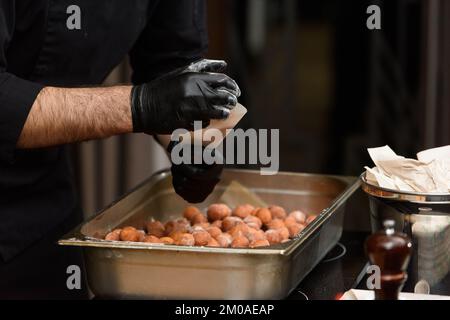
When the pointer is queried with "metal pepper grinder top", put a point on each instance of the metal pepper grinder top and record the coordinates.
(390, 251)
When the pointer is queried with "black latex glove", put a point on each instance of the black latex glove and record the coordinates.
(179, 98)
(195, 182)
(202, 65)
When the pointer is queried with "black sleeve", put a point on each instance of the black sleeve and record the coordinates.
(16, 95)
(175, 35)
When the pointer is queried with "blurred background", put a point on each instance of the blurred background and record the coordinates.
(312, 69)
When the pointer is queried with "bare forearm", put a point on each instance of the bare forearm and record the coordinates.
(63, 115)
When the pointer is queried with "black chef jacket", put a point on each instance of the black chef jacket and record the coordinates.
(38, 49)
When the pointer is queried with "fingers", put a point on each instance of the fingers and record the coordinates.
(220, 97)
(207, 65)
(222, 81)
(219, 102)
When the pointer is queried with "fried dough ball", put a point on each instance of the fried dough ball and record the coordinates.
(284, 233)
(290, 221)
(142, 235)
(184, 239)
(264, 215)
(295, 229)
(199, 218)
(253, 213)
(214, 231)
(167, 240)
(155, 228)
(224, 240)
(298, 215)
(259, 243)
(151, 239)
(255, 235)
(176, 235)
(113, 235)
(273, 236)
(203, 225)
(253, 222)
(201, 238)
(173, 226)
(243, 211)
(190, 212)
(240, 242)
(230, 222)
(240, 229)
(217, 223)
(276, 224)
(310, 218)
(218, 211)
(130, 234)
(212, 243)
(277, 212)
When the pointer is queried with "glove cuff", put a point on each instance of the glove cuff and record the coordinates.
(136, 108)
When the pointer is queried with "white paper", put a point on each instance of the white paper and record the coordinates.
(356, 294)
(429, 173)
(441, 153)
(236, 114)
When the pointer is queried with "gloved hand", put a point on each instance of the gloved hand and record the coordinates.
(179, 98)
(202, 65)
(194, 182)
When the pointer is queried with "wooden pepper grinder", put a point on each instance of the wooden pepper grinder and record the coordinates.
(390, 251)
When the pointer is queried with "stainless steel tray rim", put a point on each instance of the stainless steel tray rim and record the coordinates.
(161, 247)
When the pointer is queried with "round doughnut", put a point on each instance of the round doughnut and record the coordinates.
(217, 223)
(212, 243)
(201, 238)
(214, 231)
(289, 221)
(155, 228)
(130, 234)
(177, 225)
(218, 211)
(273, 236)
(276, 224)
(184, 239)
(295, 229)
(224, 240)
(240, 242)
(253, 222)
(151, 239)
(203, 225)
(277, 212)
(298, 215)
(259, 243)
(142, 235)
(255, 234)
(190, 212)
(199, 218)
(230, 222)
(264, 215)
(240, 229)
(284, 233)
(113, 235)
(167, 240)
(243, 210)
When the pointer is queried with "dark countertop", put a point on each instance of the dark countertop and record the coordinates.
(341, 270)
